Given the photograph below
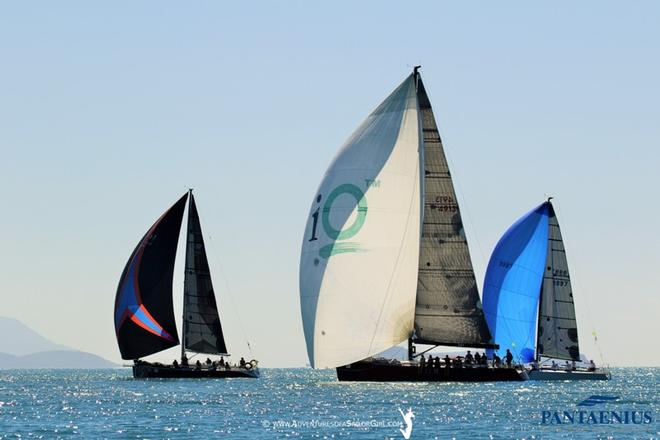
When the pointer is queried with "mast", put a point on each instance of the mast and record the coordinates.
(184, 323)
(538, 318)
(448, 309)
(538, 327)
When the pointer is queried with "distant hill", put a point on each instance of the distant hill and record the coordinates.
(23, 339)
(396, 352)
(7, 359)
(54, 359)
(28, 349)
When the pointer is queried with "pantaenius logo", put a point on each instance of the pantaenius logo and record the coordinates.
(621, 415)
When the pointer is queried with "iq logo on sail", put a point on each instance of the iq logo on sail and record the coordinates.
(339, 245)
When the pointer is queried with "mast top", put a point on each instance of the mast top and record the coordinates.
(416, 69)
(550, 198)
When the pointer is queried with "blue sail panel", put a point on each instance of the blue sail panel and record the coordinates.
(513, 284)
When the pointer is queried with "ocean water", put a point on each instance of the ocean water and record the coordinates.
(303, 403)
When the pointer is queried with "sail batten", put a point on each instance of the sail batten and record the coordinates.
(202, 331)
(448, 309)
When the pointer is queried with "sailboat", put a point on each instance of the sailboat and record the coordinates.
(528, 299)
(144, 312)
(384, 256)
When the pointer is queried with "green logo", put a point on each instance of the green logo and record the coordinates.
(353, 190)
(339, 246)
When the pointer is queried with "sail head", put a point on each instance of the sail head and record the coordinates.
(202, 331)
(144, 313)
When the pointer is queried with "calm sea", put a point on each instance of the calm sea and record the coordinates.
(303, 403)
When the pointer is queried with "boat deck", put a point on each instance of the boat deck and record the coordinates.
(387, 371)
(146, 370)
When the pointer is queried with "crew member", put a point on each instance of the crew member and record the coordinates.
(468, 358)
(509, 358)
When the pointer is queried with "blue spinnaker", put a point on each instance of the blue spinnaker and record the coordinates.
(513, 284)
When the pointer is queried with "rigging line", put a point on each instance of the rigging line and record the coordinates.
(575, 277)
(425, 351)
(231, 296)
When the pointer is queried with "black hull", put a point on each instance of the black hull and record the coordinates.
(145, 371)
(375, 371)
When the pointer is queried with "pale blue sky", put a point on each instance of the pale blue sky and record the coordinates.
(108, 112)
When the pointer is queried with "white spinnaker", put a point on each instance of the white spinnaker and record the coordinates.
(360, 254)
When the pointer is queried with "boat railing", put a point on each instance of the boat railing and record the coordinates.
(605, 370)
(577, 369)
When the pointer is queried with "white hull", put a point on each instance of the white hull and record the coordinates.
(567, 375)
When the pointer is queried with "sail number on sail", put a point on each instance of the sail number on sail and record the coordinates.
(445, 204)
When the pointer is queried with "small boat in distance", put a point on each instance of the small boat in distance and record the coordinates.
(144, 312)
(528, 299)
(384, 256)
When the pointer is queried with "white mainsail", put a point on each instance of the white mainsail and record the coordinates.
(360, 252)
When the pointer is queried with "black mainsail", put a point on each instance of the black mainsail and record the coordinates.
(448, 310)
(144, 314)
(557, 335)
(202, 332)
